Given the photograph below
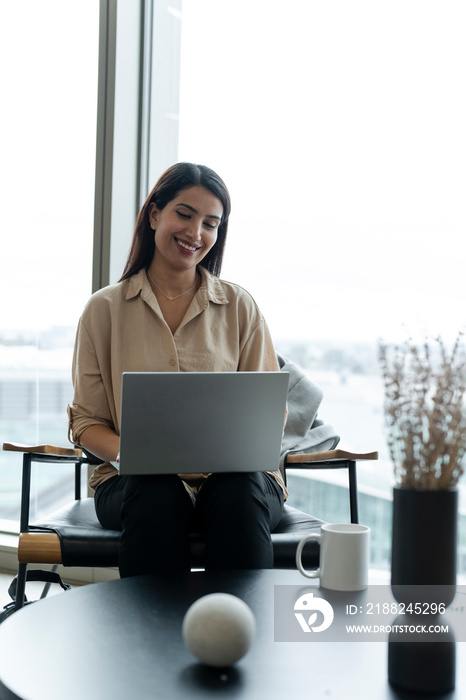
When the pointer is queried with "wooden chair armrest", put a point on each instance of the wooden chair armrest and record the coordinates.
(329, 456)
(334, 459)
(42, 449)
(39, 548)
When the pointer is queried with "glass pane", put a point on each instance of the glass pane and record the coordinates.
(339, 129)
(49, 54)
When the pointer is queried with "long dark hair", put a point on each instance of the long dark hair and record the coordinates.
(177, 178)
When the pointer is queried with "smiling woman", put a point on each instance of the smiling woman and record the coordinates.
(195, 322)
(182, 177)
(185, 231)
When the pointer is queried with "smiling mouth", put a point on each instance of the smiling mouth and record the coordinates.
(186, 246)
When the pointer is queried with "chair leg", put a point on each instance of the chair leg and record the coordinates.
(353, 492)
(21, 586)
(46, 588)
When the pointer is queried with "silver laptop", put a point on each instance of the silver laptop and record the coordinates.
(190, 422)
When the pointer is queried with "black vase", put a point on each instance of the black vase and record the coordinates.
(424, 555)
(421, 662)
(424, 545)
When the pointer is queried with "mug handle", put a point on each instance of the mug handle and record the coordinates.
(315, 573)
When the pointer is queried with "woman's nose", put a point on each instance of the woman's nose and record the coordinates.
(194, 229)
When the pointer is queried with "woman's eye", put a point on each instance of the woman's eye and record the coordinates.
(209, 225)
(182, 215)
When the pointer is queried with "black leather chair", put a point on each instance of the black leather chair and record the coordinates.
(72, 536)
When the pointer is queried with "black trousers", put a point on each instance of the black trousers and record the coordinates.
(236, 512)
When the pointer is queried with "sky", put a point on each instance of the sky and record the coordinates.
(337, 126)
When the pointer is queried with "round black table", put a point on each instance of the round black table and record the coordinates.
(121, 640)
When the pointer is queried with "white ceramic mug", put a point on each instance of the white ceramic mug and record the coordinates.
(344, 556)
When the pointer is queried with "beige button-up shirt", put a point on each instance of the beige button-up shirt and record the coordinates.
(122, 329)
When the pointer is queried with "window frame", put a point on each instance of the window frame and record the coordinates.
(135, 134)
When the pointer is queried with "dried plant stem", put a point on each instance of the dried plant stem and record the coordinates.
(424, 415)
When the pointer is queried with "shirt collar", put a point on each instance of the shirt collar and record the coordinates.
(136, 284)
(211, 287)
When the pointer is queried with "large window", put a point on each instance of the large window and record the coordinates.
(49, 58)
(339, 128)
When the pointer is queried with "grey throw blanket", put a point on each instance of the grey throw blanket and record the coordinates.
(304, 432)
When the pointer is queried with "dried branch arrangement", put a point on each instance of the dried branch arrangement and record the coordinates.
(424, 414)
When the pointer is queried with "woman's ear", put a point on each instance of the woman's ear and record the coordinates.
(153, 211)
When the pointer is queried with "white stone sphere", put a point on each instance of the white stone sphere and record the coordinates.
(219, 629)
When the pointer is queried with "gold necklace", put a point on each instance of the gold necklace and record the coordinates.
(166, 295)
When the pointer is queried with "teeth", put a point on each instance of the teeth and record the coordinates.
(185, 245)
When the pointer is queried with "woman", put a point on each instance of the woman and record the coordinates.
(171, 312)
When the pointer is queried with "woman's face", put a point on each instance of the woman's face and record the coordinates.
(186, 228)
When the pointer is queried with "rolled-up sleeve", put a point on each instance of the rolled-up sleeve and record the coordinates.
(90, 404)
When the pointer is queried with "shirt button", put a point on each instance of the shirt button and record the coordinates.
(172, 363)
